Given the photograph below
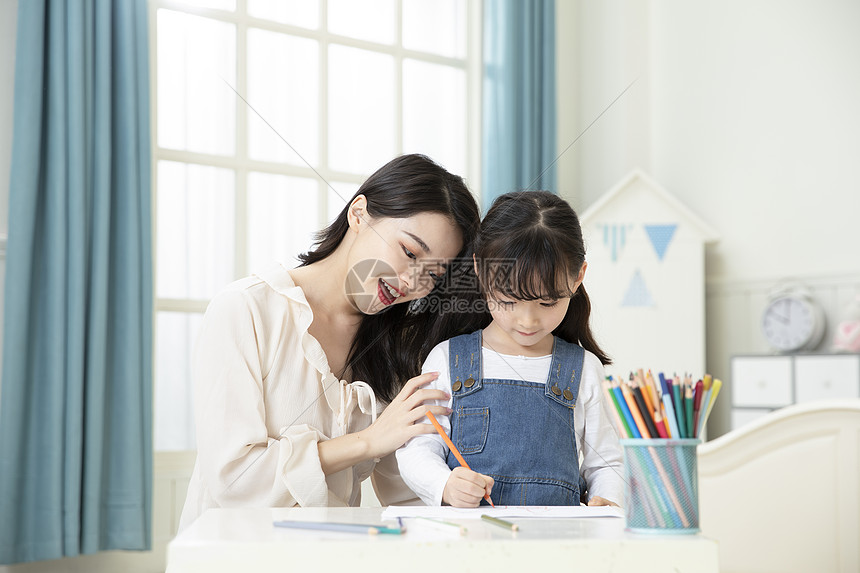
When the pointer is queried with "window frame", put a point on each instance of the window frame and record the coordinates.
(242, 165)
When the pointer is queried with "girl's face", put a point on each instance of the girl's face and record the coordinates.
(396, 260)
(525, 326)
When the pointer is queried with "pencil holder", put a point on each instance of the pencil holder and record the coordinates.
(662, 485)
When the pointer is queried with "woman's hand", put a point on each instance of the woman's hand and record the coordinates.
(597, 500)
(397, 423)
(466, 488)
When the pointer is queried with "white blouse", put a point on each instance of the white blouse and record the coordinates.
(264, 396)
(422, 459)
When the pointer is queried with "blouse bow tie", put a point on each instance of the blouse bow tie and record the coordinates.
(356, 394)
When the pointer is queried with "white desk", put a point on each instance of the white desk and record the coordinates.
(233, 540)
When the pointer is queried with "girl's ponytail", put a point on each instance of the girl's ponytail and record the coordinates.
(576, 328)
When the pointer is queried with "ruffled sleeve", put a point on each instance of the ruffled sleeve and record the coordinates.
(239, 462)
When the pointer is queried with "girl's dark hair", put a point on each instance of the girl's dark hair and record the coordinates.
(529, 246)
(390, 347)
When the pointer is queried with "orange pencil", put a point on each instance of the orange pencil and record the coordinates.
(646, 397)
(453, 448)
(634, 411)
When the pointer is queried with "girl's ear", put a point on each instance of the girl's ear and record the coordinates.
(475, 263)
(580, 277)
(357, 215)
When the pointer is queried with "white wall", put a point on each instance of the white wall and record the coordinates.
(747, 112)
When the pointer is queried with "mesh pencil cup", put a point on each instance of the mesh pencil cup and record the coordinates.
(662, 485)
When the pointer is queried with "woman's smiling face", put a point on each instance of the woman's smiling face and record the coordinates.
(395, 260)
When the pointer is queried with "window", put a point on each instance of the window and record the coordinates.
(267, 116)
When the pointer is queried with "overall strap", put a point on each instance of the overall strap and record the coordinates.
(565, 372)
(464, 360)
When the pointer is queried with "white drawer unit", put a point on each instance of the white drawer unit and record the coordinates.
(826, 377)
(763, 383)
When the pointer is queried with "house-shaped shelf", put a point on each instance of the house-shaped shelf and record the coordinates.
(646, 278)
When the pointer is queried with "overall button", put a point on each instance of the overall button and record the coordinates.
(556, 390)
(470, 382)
(456, 385)
(568, 395)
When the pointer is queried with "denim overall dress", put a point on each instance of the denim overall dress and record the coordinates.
(519, 433)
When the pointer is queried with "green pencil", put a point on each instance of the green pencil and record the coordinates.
(679, 406)
(500, 522)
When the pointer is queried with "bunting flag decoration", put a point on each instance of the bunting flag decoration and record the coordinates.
(660, 236)
(637, 294)
(614, 238)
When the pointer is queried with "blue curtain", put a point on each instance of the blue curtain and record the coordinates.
(519, 116)
(75, 400)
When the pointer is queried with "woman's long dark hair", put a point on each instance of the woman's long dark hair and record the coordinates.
(530, 244)
(390, 347)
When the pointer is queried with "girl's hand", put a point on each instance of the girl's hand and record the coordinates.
(466, 488)
(597, 500)
(396, 425)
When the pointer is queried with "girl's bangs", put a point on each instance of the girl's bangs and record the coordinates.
(534, 276)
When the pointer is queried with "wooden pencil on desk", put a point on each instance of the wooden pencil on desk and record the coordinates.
(500, 522)
(339, 527)
(443, 525)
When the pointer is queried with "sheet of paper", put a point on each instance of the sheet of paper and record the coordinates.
(544, 511)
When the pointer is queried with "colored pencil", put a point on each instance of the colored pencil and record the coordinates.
(634, 411)
(670, 416)
(661, 426)
(670, 489)
(688, 409)
(655, 394)
(500, 522)
(646, 396)
(697, 405)
(341, 527)
(444, 525)
(679, 406)
(615, 410)
(644, 410)
(625, 409)
(441, 431)
(715, 390)
(664, 504)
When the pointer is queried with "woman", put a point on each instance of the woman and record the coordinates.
(289, 364)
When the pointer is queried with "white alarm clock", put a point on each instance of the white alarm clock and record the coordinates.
(792, 321)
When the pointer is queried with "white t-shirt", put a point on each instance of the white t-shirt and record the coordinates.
(264, 396)
(422, 459)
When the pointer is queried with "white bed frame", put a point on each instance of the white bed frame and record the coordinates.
(783, 493)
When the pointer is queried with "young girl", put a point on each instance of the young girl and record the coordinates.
(289, 363)
(525, 390)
